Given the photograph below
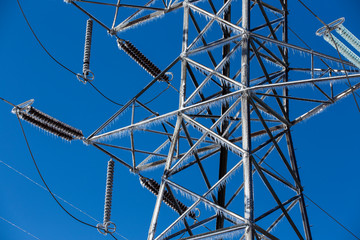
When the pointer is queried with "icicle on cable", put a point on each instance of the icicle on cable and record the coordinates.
(107, 226)
(154, 187)
(35, 117)
(140, 59)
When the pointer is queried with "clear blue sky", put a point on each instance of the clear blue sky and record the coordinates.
(326, 145)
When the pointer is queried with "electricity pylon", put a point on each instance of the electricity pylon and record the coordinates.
(226, 151)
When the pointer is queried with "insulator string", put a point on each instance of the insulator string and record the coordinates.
(109, 191)
(140, 59)
(30, 119)
(154, 187)
(107, 226)
(52, 121)
(47, 123)
(87, 48)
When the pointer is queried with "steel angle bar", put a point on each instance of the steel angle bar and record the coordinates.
(276, 177)
(209, 235)
(193, 147)
(239, 92)
(280, 19)
(205, 200)
(215, 17)
(278, 60)
(112, 156)
(169, 159)
(300, 82)
(195, 225)
(201, 34)
(134, 126)
(265, 233)
(276, 198)
(288, 45)
(293, 199)
(185, 166)
(277, 221)
(214, 135)
(253, 172)
(202, 170)
(127, 24)
(126, 105)
(270, 111)
(91, 16)
(272, 8)
(268, 79)
(282, 156)
(269, 25)
(264, 144)
(294, 98)
(129, 149)
(321, 107)
(121, 5)
(213, 44)
(135, 13)
(178, 209)
(212, 59)
(211, 73)
(203, 197)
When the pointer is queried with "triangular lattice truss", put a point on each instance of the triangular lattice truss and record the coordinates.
(226, 150)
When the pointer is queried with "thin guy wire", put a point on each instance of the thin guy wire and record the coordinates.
(14, 225)
(348, 230)
(42, 187)
(342, 63)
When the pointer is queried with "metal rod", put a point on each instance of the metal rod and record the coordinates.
(245, 123)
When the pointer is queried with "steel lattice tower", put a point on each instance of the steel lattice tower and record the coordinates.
(226, 150)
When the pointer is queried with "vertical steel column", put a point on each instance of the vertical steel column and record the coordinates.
(245, 120)
(224, 125)
(289, 141)
(174, 139)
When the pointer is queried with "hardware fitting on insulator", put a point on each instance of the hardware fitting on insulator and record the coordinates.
(337, 25)
(143, 61)
(107, 226)
(168, 199)
(37, 118)
(87, 74)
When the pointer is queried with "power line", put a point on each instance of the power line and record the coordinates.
(47, 187)
(43, 180)
(21, 229)
(328, 214)
(42, 187)
(344, 227)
